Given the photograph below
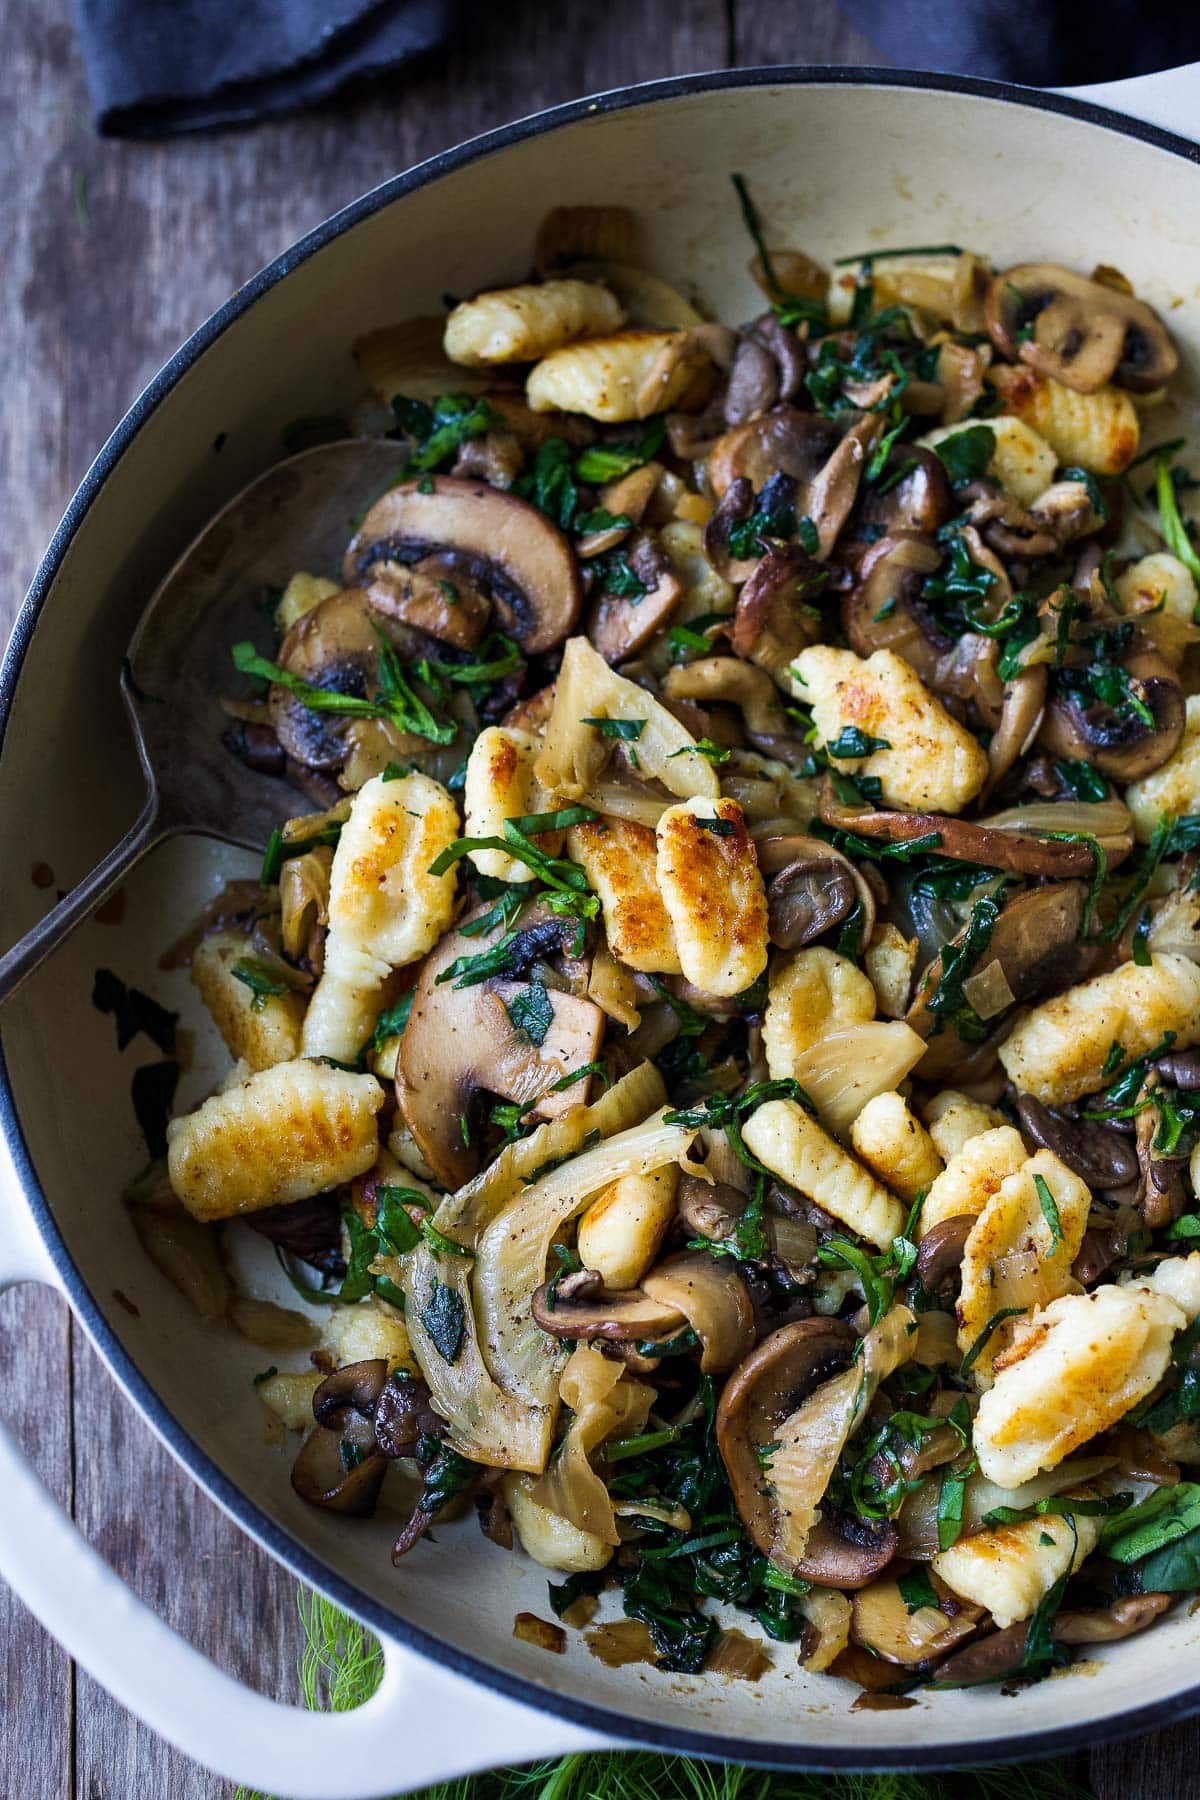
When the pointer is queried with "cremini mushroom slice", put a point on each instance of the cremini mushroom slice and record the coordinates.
(887, 1625)
(783, 441)
(1080, 332)
(580, 1307)
(1028, 940)
(619, 624)
(775, 615)
(816, 889)
(712, 1296)
(1124, 741)
(504, 1037)
(962, 839)
(503, 548)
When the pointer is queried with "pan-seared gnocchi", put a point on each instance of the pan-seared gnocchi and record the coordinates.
(721, 1033)
(386, 906)
(519, 324)
(291, 1131)
(708, 875)
(920, 756)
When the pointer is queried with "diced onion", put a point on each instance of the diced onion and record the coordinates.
(987, 991)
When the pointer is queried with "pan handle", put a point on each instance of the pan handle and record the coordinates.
(1169, 97)
(424, 1724)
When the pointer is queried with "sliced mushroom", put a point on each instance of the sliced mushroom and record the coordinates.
(1001, 1653)
(1163, 1189)
(883, 1623)
(404, 1415)
(1102, 1158)
(785, 351)
(990, 1658)
(334, 646)
(740, 684)
(1031, 933)
(831, 493)
(588, 1310)
(712, 1297)
(1180, 1069)
(353, 1389)
(753, 382)
(708, 1209)
(963, 840)
(883, 612)
(783, 441)
(1116, 741)
(504, 548)
(1077, 331)
(309, 1229)
(339, 1472)
(760, 1394)
(1107, 1624)
(618, 626)
(461, 1042)
(733, 509)
(911, 494)
(939, 1258)
(812, 894)
(1020, 720)
(844, 1551)
(775, 617)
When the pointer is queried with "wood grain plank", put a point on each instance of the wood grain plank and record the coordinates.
(36, 1678)
(186, 1560)
(765, 33)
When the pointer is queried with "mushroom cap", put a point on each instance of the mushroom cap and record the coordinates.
(332, 646)
(963, 840)
(619, 625)
(322, 1475)
(1100, 1156)
(712, 1297)
(1080, 332)
(502, 547)
(1031, 932)
(1119, 743)
(763, 1391)
(784, 440)
(912, 493)
(881, 612)
(460, 1041)
(582, 1307)
(940, 1255)
(812, 893)
(774, 621)
(354, 1388)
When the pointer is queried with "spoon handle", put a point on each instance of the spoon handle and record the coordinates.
(30, 951)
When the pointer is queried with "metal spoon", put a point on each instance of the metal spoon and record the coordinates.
(297, 516)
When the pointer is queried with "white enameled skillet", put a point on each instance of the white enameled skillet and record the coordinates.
(840, 160)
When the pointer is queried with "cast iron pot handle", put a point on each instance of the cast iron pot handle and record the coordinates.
(424, 1725)
(1170, 98)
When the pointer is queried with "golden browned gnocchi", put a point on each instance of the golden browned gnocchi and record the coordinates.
(519, 324)
(921, 756)
(708, 875)
(288, 1132)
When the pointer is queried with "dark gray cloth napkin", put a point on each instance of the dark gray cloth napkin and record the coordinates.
(1043, 43)
(160, 66)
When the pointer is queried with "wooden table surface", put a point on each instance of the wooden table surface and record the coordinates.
(110, 255)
